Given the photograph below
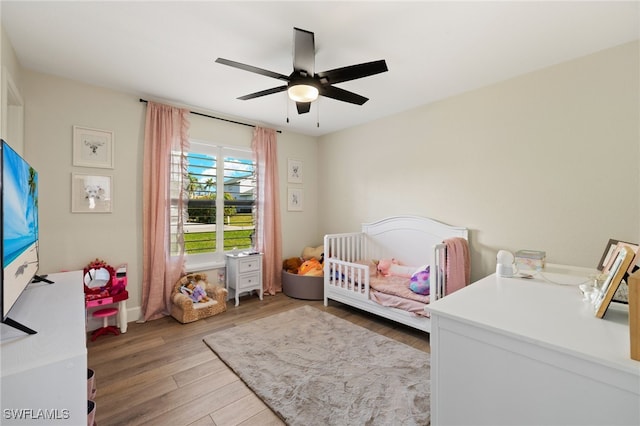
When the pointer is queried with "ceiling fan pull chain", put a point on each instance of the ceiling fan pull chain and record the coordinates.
(286, 100)
(318, 113)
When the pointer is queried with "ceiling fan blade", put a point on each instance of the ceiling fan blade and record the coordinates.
(253, 69)
(263, 93)
(303, 107)
(342, 95)
(352, 72)
(304, 52)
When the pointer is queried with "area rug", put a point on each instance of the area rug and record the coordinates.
(313, 368)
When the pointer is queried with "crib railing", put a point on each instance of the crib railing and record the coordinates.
(348, 247)
(341, 274)
(437, 277)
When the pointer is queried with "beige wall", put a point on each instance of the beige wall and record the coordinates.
(11, 99)
(548, 161)
(70, 240)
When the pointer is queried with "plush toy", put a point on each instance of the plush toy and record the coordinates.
(195, 292)
(309, 253)
(311, 267)
(389, 267)
(292, 264)
(383, 266)
(419, 283)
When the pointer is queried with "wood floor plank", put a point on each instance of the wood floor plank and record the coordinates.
(132, 396)
(238, 411)
(265, 417)
(187, 411)
(124, 349)
(204, 421)
(122, 379)
(161, 372)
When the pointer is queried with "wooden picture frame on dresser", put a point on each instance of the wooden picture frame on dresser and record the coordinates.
(614, 277)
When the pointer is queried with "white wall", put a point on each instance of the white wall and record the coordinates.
(70, 240)
(546, 161)
(11, 101)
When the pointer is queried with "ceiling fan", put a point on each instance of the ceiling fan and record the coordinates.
(304, 85)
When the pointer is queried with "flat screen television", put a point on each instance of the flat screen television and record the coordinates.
(19, 207)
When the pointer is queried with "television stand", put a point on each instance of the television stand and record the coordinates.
(17, 325)
(44, 375)
(40, 278)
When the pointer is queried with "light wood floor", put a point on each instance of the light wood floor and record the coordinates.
(162, 373)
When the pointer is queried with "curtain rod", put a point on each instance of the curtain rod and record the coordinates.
(216, 118)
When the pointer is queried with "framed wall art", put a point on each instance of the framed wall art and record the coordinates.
(295, 199)
(92, 147)
(294, 171)
(91, 193)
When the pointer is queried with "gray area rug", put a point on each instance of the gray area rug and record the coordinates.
(313, 368)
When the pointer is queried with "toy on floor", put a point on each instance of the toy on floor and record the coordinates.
(309, 253)
(292, 265)
(195, 292)
(311, 267)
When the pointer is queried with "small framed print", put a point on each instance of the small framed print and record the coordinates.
(294, 171)
(91, 193)
(615, 274)
(92, 148)
(612, 249)
(295, 199)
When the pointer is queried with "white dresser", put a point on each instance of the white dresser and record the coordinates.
(513, 351)
(244, 274)
(44, 375)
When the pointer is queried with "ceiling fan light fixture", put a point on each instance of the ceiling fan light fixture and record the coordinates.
(303, 93)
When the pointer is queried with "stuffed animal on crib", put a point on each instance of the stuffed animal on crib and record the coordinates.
(383, 266)
(195, 292)
(392, 267)
(292, 264)
(419, 282)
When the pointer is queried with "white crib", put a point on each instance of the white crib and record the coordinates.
(411, 239)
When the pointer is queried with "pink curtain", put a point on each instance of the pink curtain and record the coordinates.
(268, 233)
(166, 144)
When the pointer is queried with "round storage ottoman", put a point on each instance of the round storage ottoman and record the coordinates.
(302, 286)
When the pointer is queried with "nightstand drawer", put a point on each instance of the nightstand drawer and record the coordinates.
(249, 265)
(249, 281)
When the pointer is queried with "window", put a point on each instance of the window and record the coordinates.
(220, 214)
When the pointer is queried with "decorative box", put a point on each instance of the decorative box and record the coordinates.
(530, 260)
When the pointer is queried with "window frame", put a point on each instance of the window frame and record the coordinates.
(216, 259)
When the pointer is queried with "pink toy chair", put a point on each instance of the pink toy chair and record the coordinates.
(106, 328)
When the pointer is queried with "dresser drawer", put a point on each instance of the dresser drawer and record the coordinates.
(249, 281)
(249, 265)
(99, 302)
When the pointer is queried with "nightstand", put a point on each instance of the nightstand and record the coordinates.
(244, 273)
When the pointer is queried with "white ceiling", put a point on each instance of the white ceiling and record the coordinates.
(165, 51)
